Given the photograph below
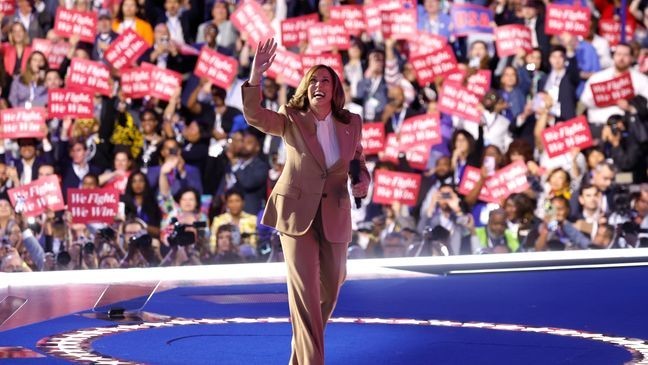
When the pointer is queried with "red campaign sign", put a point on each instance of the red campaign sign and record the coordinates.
(117, 183)
(294, 31)
(506, 181)
(425, 43)
(457, 100)
(70, 103)
(36, 197)
(392, 186)
(562, 137)
(93, 205)
(124, 50)
(471, 19)
(287, 67)
(479, 83)
(607, 93)
(610, 29)
(329, 59)
(399, 24)
(74, 22)
(328, 36)
(458, 75)
(7, 7)
(510, 39)
(54, 51)
(417, 156)
(135, 82)
(373, 16)
(352, 16)
(420, 130)
(23, 123)
(391, 151)
(218, 68)
(437, 63)
(471, 176)
(373, 138)
(250, 18)
(566, 18)
(163, 83)
(89, 75)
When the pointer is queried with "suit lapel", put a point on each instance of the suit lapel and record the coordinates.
(344, 138)
(309, 132)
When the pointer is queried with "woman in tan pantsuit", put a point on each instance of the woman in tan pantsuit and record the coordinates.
(310, 204)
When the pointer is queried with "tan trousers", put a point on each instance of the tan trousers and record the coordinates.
(316, 271)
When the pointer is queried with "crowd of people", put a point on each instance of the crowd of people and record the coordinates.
(194, 177)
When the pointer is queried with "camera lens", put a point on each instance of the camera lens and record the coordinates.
(63, 258)
(89, 248)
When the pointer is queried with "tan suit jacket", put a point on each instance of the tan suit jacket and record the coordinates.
(305, 180)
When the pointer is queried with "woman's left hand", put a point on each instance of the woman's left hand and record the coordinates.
(360, 189)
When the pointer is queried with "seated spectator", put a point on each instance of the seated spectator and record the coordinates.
(77, 166)
(17, 51)
(495, 237)
(139, 202)
(394, 245)
(520, 219)
(590, 216)
(227, 34)
(29, 160)
(180, 22)
(227, 245)
(164, 53)
(372, 89)
(118, 177)
(234, 214)
(444, 210)
(249, 175)
(623, 60)
(127, 18)
(183, 207)
(150, 128)
(105, 35)
(173, 170)
(29, 89)
(561, 83)
(556, 232)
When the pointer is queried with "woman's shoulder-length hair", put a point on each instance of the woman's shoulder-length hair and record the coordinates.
(299, 100)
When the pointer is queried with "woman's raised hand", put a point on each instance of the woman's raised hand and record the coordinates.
(263, 58)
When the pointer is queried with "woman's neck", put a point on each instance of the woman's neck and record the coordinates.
(320, 112)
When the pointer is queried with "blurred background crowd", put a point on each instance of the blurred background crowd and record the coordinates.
(194, 177)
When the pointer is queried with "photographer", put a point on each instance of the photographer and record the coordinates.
(444, 210)
(621, 144)
(556, 233)
(141, 252)
(188, 244)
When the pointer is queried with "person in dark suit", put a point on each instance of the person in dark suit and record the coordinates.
(395, 112)
(211, 34)
(179, 22)
(250, 175)
(30, 160)
(37, 24)
(310, 203)
(76, 165)
(561, 83)
(164, 53)
(534, 19)
(372, 89)
(105, 35)
(182, 175)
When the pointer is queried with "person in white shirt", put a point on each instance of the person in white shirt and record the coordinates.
(623, 60)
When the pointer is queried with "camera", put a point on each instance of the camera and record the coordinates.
(142, 241)
(173, 151)
(180, 237)
(445, 195)
(88, 248)
(63, 258)
(613, 122)
(106, 233)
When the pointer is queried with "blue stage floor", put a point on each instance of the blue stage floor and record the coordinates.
(578, 316)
